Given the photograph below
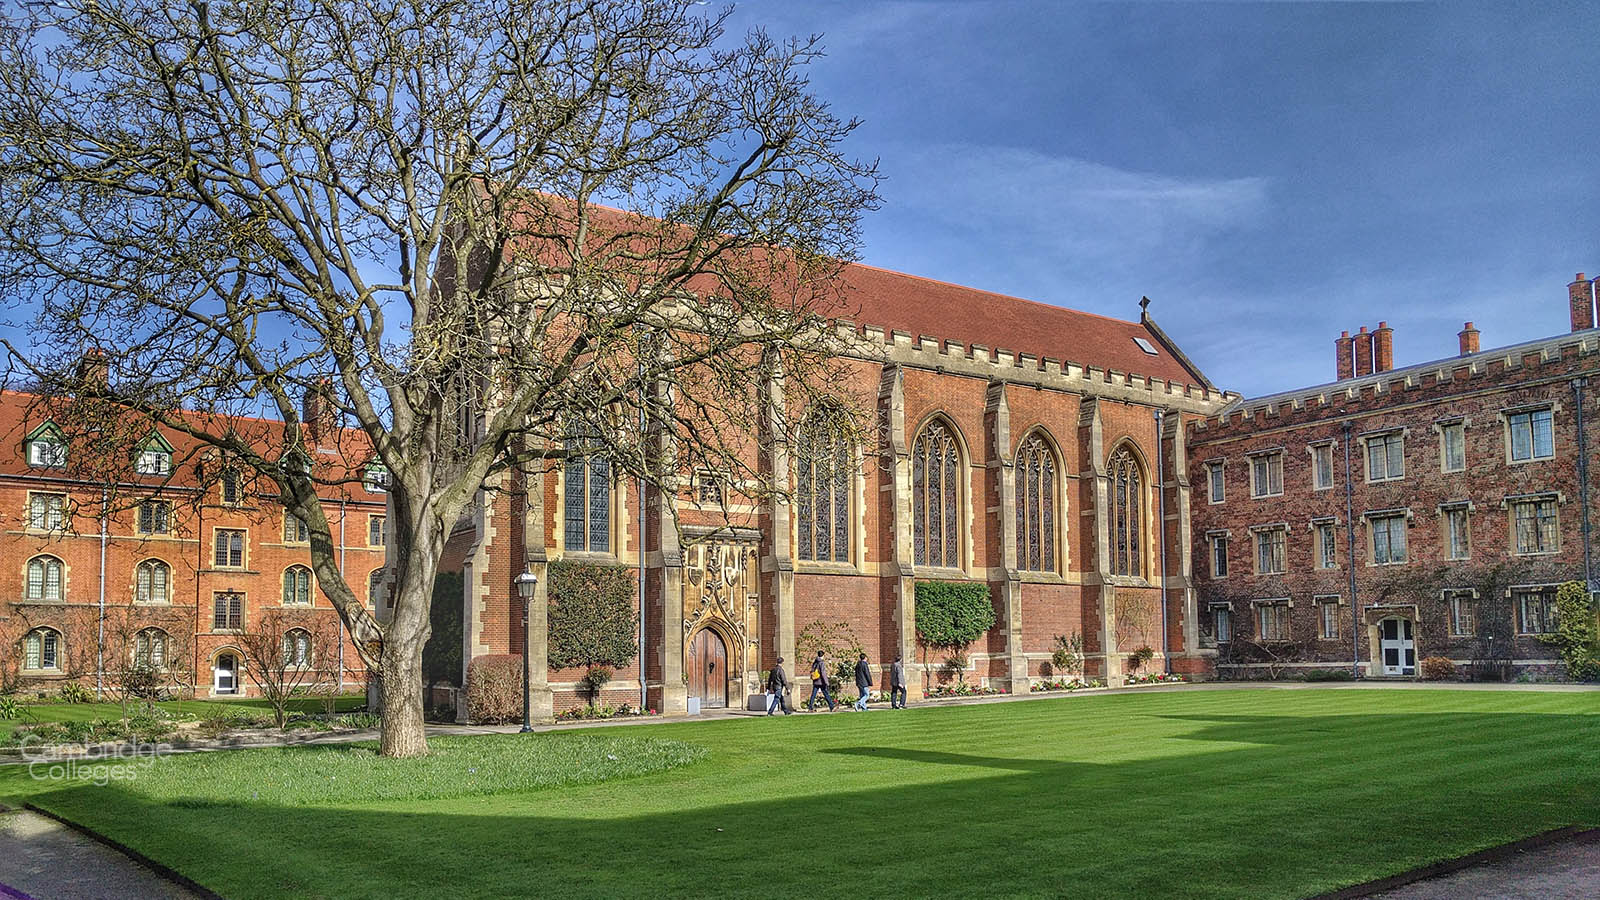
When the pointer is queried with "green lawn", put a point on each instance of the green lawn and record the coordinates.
(1237, 793)
(183, 709)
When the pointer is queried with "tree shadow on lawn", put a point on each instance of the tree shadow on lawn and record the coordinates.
(1294, 806)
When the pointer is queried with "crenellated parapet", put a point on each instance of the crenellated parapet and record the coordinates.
(1552, 358)
(948, 357)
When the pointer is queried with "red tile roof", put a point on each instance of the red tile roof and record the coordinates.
(951, 312)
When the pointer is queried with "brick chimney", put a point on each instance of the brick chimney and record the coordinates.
(1363, 352)
(1383, 348)
(1341, 356)
(1469, 340)
(94, 371)
(1580, 296)
(317, 411)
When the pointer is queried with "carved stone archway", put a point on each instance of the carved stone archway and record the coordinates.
(721, 591)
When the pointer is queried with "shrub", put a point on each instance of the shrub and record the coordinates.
(1438, 668)
(1068, 655)
(10, 708)
(596, 680)
(494, 689)
(1329, 675)
(441, 655)
(953, 614)
(1576, 636)
(1139, 658)
(73, 692)
(837, 642)
(592, 617)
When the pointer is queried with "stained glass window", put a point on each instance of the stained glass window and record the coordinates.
(1035, 472)
(1127, 514)
(823, 468)
(935, 486)
(587, 500)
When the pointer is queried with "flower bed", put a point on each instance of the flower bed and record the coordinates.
(581, 713)
(961, 689)
(1155, 678)
(1064, 684)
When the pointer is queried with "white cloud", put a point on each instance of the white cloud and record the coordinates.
(1091, 217)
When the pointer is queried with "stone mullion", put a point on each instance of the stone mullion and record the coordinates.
(892, 403)
(1003, 467)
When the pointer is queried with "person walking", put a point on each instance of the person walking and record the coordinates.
(863, 682)
(819, 683)
(778, 686)
(897, 684)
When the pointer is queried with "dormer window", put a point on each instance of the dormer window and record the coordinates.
(154, 457)
(46, 449)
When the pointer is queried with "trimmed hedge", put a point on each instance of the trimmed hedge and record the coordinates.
(953, 614)
(592, 617)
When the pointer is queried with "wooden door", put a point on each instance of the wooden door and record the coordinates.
(708, 669)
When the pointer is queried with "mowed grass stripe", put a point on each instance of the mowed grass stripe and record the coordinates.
(1233, 793)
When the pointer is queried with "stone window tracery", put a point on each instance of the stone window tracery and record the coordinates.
(935, 497)
(1035, 472)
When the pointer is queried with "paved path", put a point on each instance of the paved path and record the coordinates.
(1566, 870)
(42, 859)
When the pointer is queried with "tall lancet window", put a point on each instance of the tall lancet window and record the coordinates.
(935, 497)
(1035, 471)
(823, 467)
(1127, 514)
(587, 502)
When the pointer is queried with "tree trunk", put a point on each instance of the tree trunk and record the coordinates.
(402, 733)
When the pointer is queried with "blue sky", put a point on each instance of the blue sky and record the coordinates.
(1269, 174)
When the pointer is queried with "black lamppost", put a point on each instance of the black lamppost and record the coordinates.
(525, 585)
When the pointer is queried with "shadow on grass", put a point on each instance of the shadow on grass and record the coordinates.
(1283, 810)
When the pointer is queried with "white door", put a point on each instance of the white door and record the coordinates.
(1395, 644)
(225, 675)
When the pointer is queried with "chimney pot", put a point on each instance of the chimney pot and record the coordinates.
(1580, 300)
(1343, 363)
(1362, 342)
(1469, 340)
(1383, 348)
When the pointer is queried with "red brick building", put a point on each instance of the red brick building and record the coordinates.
(166, 562)
(1028, 448)
(1396, 514)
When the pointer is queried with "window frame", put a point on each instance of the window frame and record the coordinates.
(1458, 427)
(946, 513)
(230, 486)
(1048, 509)
(1262, 539)
(1282, 629)
(1325, 543)
(824, 488)
(1328, 618)
(49, 519)
(46, 564)
(39, 635)
(1448, 513)
(218, 535)
(1221, 624)
(1531, 414)
(1318, 451)
(1388, 439)
(378, 522)
(1461, 607)
(165, 515)
(1218, 541)
(232, 616)
(1216, 482)
(598, 483)
(46, 435)
(304, 586)
(299, 651)
(1546, 598)
(1388, 517)
(141, 583)
(1516, 504)
(145, 642)
(1268, 463)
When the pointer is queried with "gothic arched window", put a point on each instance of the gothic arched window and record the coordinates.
(587, 500)
(1127, 514)
(44, 579)
(823, 466)
(152, 580)
(1035, 472)
(935, 497)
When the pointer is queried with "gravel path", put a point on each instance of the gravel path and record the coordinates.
(1565, 870)
(42, 859)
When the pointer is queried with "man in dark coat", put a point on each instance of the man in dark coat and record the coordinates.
(778, 686)
(897, 684)
(819, 683)
(863, 682)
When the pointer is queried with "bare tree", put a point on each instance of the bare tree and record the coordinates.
(288, 653)
(398, 208)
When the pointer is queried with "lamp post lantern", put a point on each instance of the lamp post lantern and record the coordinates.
(525, 585)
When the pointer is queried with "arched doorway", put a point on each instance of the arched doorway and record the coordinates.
(225, 674)
(708, 669)
(1397, 647)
